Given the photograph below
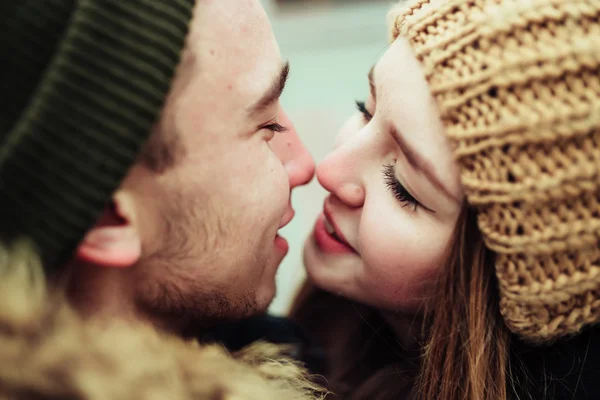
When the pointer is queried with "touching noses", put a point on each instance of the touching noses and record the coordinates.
(294, 156)
(339, 174)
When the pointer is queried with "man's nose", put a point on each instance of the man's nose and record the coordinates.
(294, 156)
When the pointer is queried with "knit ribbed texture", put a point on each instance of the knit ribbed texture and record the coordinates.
(517, 83)
(83, 83)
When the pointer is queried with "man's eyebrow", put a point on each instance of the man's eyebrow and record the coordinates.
(273, 93)
(372, 82)
(419, 162)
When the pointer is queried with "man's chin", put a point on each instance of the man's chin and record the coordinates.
(184, 312)
(264, 300)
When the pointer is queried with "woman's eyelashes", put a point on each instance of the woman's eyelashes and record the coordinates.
(389, 172)
(399, 192)
(363, 110)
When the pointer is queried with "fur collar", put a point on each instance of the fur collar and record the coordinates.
(48, 352)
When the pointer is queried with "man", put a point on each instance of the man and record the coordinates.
(189, 237)
(146, 161)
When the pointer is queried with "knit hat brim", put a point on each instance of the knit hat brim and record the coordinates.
(86, 121)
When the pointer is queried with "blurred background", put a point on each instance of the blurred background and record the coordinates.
(331, 45)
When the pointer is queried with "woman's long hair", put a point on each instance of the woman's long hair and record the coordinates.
(467, 346)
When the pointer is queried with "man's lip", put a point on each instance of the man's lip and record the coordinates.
(287, 217)
(338, 232)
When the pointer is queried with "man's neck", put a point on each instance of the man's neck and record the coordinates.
(110, 294)
(101, 292)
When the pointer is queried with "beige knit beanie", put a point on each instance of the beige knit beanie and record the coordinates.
(517, 83)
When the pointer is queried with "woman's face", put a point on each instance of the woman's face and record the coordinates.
(395, 194)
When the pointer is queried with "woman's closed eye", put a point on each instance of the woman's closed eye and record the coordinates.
(389, 172)
(399, 191)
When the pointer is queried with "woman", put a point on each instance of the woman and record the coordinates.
(457, 256)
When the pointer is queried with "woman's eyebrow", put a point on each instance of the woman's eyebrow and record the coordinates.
(415, 159)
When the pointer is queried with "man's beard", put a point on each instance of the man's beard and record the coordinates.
(195, 310)
(169, 293)
(178, 300)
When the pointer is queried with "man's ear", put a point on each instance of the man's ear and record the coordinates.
(114, 242)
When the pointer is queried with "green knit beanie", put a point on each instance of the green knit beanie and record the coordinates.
(82, 83)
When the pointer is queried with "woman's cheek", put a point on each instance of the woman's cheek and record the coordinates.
(400, 259)
(385, 252)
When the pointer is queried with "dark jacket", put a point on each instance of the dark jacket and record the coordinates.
(270, 329)
(568, 369)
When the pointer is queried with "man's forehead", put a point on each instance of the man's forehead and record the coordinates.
(234, 51)
(232, 38)
(228, 22)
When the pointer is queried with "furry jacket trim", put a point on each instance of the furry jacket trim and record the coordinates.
(48, 352)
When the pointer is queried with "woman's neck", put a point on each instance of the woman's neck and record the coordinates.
(406, 327)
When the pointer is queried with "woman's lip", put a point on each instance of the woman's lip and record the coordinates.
(338, 232)
(326, 242)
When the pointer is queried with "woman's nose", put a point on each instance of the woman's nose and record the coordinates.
(339, 173)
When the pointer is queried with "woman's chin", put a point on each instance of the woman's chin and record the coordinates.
(328, 274)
